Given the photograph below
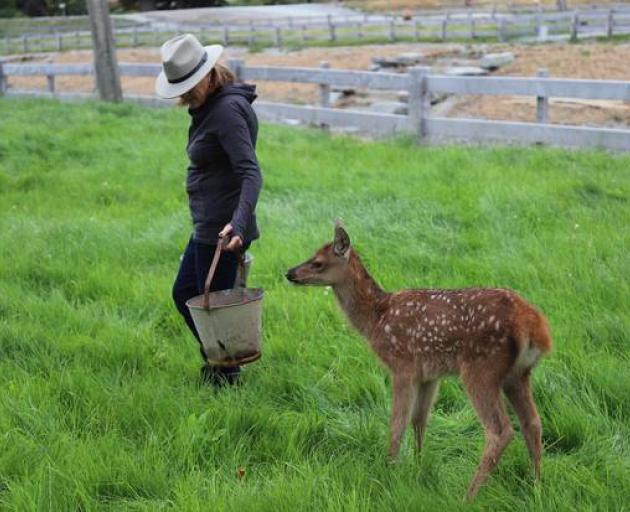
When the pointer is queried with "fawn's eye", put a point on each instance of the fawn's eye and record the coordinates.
(317, 265)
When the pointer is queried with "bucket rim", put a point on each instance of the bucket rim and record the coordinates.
(258, 292)
(236, 362)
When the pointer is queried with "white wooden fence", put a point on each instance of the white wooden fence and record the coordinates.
(317, 29)
(420, 84)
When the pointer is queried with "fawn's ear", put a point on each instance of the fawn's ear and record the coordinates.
(341, 245)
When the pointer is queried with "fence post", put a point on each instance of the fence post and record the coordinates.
(471, 21)
(444, 28)
(77, 38)
(331, 26)
(392, 29)
(359, 30)
(105, 63)
(542, 102)
(419, 100)
(135, 36)
(574, 26)
(324, 89)
(278, 36)
(236, 65)
(416, 30)
(252, 34)
(502, 30)
(3, 80)
(226, 35)
(610, 23)
(59, 41)
(25, 43)
(50, 80)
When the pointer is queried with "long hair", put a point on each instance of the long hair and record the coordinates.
(219, 76)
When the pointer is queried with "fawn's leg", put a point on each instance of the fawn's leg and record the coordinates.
(519, 394)
(404, 391)
(484, 389)
(426, 392)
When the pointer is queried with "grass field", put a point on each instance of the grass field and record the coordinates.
(100, 406)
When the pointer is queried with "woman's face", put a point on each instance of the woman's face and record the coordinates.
(197, 95)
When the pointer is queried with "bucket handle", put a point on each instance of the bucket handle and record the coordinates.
(213, 267)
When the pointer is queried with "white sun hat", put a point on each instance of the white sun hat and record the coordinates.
(184, 63)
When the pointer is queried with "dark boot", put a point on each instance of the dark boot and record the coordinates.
(218, 376)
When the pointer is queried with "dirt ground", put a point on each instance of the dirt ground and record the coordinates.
(586, 61)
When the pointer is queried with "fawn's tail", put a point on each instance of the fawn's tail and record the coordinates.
(533, 335)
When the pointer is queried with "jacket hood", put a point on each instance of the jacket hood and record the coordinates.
(246, 90)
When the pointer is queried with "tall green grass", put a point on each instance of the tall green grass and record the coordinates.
(101, 409)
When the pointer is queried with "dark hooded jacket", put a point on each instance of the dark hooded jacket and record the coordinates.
(224, 178)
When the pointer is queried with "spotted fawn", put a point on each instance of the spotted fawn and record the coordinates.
(491, 337)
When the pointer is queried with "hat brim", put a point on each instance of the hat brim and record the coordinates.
(167, 90)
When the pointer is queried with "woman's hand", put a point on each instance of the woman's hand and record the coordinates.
(235, 243)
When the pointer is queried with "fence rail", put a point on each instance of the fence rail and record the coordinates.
(313, 30)
(419, 83)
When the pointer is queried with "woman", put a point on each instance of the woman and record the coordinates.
(224, 178)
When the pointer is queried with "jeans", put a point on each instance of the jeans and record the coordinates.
(191, 278)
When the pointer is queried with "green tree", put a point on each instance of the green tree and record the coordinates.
(8, 9)
(47, 7)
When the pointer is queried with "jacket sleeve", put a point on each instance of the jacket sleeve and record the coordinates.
(236, 140)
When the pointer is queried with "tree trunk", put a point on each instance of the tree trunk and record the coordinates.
(105, 63)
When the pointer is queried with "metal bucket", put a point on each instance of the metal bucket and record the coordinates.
(229, 321)
(243, 271)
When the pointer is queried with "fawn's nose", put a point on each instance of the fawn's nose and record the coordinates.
(290, 275)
